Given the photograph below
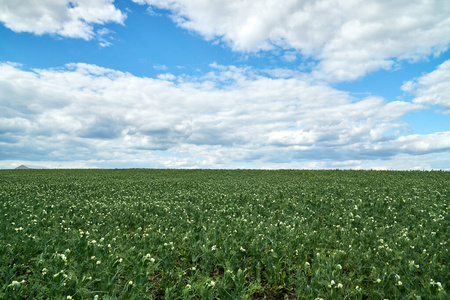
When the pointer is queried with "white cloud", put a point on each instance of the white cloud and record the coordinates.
(167, 76)
(160, 67)
(432, 88)
(229, 117)
(66, 18)
(103, 36)
(425, 143)
(290, 56)
(349, 38)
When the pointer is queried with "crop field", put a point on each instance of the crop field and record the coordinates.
(224, 234)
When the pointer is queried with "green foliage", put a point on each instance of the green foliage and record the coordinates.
(228, 234)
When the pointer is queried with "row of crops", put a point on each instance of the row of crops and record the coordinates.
(228, 234)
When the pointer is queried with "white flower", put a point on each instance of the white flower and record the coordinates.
(339, 266)
(130, 282)
(212, 283)
(332, 282)
(339, 285)
(242, 249)
(14, 284)
(98, 262)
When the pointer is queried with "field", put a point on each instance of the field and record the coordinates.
(228, 234)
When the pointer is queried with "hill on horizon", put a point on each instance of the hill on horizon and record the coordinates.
(24, 167)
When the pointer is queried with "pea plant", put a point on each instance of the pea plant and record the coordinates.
(224, 234)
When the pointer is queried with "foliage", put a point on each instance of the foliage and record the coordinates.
(228, 234)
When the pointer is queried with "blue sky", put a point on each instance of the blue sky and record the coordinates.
(225, 84)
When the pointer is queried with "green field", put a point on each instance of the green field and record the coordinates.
(228, 234)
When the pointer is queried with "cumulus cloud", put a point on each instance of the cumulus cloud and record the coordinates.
(65, 18)
(229, 117)
(348, 38)
(432, 88)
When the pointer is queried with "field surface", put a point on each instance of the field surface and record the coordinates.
(224, 234)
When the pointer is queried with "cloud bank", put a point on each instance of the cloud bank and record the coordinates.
(229, 117)
(347, 38)
(74, 19)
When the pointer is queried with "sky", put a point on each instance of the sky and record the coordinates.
(265, 84)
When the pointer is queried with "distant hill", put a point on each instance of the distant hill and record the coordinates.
(22, 167)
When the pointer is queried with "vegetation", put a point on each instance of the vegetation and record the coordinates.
(228, 234)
